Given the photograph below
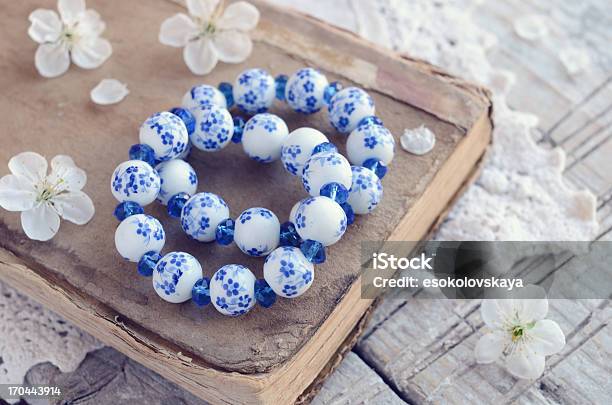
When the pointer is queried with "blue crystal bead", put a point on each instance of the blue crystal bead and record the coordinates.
(238, 128)
(224, 234)
(335, 191)
(264, 294)
(376, 166)
(289, 235)
(228, 91)
(324, 147)
(313, 251)
(127, 209)
(281, 83)
(331, 90)
(370, 120)
(143, 152)
(186, 116)
(147, 263)
(176, 204)
(200, 293)
(350, 214)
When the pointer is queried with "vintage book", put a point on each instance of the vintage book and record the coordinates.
(270, 355)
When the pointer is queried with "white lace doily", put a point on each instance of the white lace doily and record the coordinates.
(520, 195)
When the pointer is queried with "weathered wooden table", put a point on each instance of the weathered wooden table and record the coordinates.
(419, 352)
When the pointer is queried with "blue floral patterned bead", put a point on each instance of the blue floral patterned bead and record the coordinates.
(186, 152)
(263, 137)
(214, 128)
(224, 233)
(176, 204)
(238, 129)
(203, 96)
(321, 219)
(200, 294)
(350, 214)
(335, 191)
(288, 272)
(228, 93)
(257, 231)
(305, 90)
(142, 152)
(187, 118)
(201, 215)
(127, 209)
(175, 275)
(135, 181)
(330, 91)
(313, 251)
(232, 290)
(324, 147)
(325, 167)
(298, 147)
(176, 176)
(370, 141)
(376, 166)
(147, 263)
(137, 235)
(265, 296)
(370, 120)
(348, 107)
(281, 84)
(366, 191)
(166, 134)
(254, 91)
(289, 235)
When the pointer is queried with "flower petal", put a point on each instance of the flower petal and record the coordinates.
(494, 312)
(200, 56)
(91, 24)
(524, 363)
(530, 310)
(52, 60)
(45, 26)
(66, 174)
(16, 193)
(490, 347)
(232, 46)
(547, 337)
(91, 52)
(29, 165)
(202, 9)
(70, 10)
(241, 16)
(177, 30)
(75, 207)
(40, 223)
(109, 91)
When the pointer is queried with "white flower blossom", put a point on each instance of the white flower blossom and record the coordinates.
(43, 198)
(210, 34)
(76, 35)
(519, 334)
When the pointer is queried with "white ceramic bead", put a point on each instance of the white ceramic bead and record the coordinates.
(203, 95)
(176, 176)
(297, 148)
(166, 133)
(294, 209)
(288, 272)
(232, 290)
(349, 106)
(366, 191)
(320, 219)
(370, 141)
(214, 128)
(304, 90)
(257, 231)
(254, 91)
(323, 168)
(263, 137)
(174, 276)
(201, 215)
(136, 181)
(137, 235)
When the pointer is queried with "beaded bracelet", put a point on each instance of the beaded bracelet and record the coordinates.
(338, 191)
